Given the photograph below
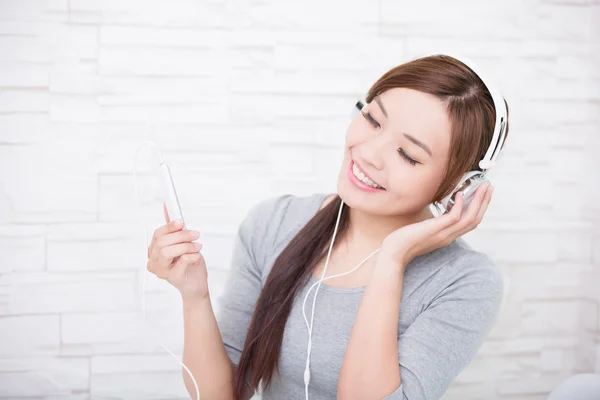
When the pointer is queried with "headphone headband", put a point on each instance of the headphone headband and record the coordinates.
(499, 135)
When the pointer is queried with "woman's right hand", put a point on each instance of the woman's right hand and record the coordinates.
(174, 257)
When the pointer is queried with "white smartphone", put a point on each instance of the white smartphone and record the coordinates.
(170, 194)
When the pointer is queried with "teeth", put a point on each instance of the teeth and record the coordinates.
(363, 178)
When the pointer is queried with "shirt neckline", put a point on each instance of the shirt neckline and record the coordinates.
(313, 279)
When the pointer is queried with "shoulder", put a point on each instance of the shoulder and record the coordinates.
(269, 219)
(476, 266)
(465, 273)
(272, 210)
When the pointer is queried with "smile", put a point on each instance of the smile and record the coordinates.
(362, 180)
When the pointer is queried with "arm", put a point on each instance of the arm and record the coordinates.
(213, 341)
(441, 341)
(204, 353)
(370, 369)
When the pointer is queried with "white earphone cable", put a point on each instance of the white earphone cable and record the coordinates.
(143, 289)
(318, 284)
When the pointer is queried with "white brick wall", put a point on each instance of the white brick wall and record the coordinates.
(254, 96)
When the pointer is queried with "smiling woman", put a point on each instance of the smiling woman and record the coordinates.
(419, 300)
(425, 124)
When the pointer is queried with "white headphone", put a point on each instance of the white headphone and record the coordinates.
(468, 183)
(471, 180)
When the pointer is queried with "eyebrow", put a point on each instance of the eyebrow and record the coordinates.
(378, 100)
(418, 143)
(409, 137)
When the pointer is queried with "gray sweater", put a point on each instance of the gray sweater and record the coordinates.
(450, 300)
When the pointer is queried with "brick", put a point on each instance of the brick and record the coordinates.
(480, 51)
(22, 248)
(134, 363)
(75, 79)
(289, 15)
(23, 101)
(480, 390)
(523, 345)
(311, 82)
(35, 335)
(128, 91)
(152, 36)
(27, 28)
(336, 57)
(38, 10)
(119, 60)
(24, 128)
(519, 247)
(564, 21)
(596, 248)
(43, 376)
(597, 367)
(179, 13)
(557, 360)
(6, 211)
(564, 316)
(575, 246)
(540, 384)
(26, 49)
(250, 108)
(87, 109)
(557, 281)
(77, 43)
(97, 330)
(34, 197)
(111, 254)
(547, 113)
(139, 385)
(43, 292)
(24, 75)
(117, 203)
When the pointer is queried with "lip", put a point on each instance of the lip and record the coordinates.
(357, 182)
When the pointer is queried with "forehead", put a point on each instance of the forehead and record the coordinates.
(420, 115)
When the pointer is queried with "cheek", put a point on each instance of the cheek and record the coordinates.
(417, 182)
(355, 134)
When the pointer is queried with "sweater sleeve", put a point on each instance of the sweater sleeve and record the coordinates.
(445, 337)
(236, 304)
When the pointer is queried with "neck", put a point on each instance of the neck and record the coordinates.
(370, 230)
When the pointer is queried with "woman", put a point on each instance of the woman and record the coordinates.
(404, 324)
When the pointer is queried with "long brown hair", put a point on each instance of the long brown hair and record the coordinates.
(471, 111)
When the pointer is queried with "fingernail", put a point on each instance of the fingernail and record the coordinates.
(195, 234)
(198, 245)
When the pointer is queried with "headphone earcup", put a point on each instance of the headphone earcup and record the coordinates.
(356, 108)
(468, 184)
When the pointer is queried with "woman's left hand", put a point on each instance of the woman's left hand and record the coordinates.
(419, 238)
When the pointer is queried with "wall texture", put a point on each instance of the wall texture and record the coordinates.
(249, 99)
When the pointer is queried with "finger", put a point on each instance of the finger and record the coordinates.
(177, 237)
(476, 209)
(180, 267)
(166, 213)
(470, 216)
(453, 216)
(484, 206)
(169, 253)
(172, 226)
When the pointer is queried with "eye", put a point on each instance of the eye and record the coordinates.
(371, 120)
(411, 160)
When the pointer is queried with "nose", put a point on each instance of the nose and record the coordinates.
(373, 152)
